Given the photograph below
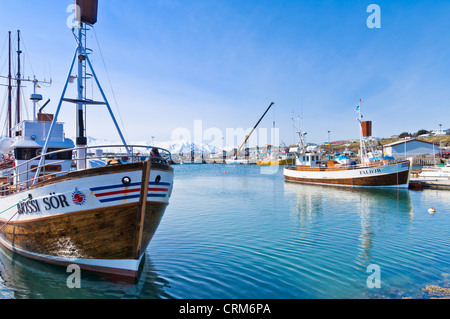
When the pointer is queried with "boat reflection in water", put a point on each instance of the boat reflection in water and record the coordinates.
(352, 226)
(24, 278)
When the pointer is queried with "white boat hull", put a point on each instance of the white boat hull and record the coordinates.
(238, 161)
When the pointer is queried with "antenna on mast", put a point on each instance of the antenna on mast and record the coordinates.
(35, 97)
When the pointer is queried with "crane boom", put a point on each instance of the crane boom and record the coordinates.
(248, 136)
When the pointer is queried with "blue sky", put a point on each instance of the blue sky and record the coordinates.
(171, 62)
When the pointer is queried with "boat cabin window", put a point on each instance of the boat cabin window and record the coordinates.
(26, 154)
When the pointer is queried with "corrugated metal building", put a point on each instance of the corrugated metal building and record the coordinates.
(409, 148)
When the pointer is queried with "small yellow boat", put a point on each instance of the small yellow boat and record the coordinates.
(284, 161)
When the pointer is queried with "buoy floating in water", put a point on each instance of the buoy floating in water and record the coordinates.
(432, 210)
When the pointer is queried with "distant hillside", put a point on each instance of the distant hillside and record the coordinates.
(183, 146)
(445, 140)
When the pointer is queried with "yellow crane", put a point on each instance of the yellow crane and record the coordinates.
(248, 136)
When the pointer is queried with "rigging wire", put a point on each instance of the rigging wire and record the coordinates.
(24, 102)
(1, 55)
(109, 80)
(4, 107)
(24, 105)
(22, 41)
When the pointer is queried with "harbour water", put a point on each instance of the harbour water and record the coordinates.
(234, 231)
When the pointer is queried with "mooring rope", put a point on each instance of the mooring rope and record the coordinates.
(22, 201)
(14, 205)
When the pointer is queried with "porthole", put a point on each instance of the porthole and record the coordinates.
(126, 180)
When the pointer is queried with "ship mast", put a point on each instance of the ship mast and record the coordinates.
(19, 52)
(9, 90)
(362, 144)
(81, 140)
(19, 79)
(86, 14)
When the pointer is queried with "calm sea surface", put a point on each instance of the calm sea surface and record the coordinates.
(238, 232)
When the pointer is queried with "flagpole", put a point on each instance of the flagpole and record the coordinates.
(361, 153)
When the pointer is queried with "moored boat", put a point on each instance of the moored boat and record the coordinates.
(282, 160)
(437, 177)
(99, 216)
(369, 172)
(312, 171)
(237, 161)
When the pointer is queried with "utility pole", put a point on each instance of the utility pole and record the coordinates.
(329, 143)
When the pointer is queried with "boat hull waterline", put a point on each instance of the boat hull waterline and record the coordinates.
(433, 183)
(390, 175)
(101, 219)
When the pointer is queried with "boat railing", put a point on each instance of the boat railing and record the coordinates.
(23, 176)
(337, 167)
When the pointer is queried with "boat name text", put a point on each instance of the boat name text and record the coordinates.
(50, 202)
(370, 171)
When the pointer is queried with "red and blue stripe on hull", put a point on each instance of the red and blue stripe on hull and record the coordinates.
(112, 193)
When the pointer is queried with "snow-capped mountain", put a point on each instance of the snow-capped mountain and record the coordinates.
(173, 146)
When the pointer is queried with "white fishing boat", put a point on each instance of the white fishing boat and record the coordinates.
(60, 209)
(237, 161)
(369, 172)
(199, 161)
(437, 176)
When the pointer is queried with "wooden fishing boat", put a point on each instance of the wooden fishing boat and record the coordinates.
(371, 171)
(100, 214)
(375, 174)
(99, 218)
